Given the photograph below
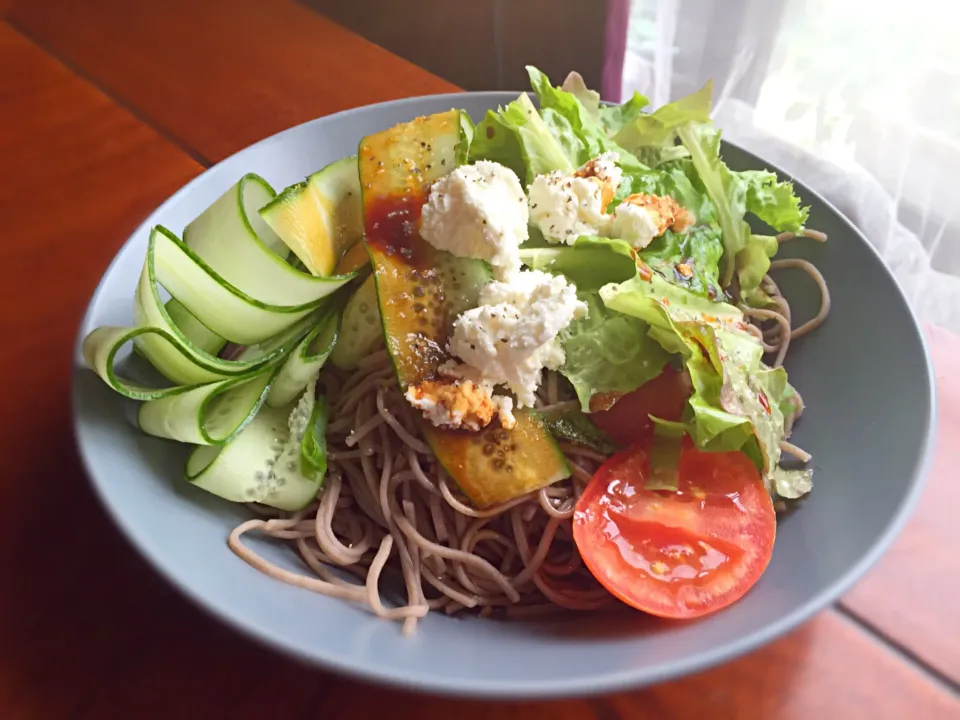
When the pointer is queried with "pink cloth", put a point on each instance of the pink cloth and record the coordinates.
(945, 349)
(615, 49)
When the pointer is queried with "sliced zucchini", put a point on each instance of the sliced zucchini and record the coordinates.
(210, 414)
(262, 463)
(319, 218)
(421, 291)
(222, 307)
(496, 465)
(185, 357)
(202, 337)
(305, 362)
(233, 241)
(361, 331)
(355, 259)
(171, 353)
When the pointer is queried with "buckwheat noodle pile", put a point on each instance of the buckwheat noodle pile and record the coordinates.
(389, 512)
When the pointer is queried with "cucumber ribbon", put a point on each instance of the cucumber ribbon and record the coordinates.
(229, 282)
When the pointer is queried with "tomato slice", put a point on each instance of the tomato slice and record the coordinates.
(628, 420)
(676, 554)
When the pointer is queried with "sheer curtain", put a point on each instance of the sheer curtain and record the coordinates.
(859, 99)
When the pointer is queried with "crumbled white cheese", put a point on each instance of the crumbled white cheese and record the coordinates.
(478, 211)
(512, 335)
(565, 207)
(635, 224)
(504, 405)
(642, 217)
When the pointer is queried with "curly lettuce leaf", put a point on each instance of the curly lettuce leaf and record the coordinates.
(652, 136)
(494, 140)
(608, 352)
(564, 134)
(748, 390)
(612, 117)
(700, 247)
(590, 263)
(518, 137)
(313, 447)
(791, 484)
(724, 187)
(576, 86)
(737, 402)
(773, 201)
(562, 109)
(669, 179)
(662, 305)
(776, 205)
(542, 152)
(698, 251)
(734, 194)
(753, 262)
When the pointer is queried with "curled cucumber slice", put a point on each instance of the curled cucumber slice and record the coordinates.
(262, 464)
(228, 282)
(178, 359)
(305, 362)
(233, 241)
(202, 337)
(223, 308)
(211, 414)
(361, 330)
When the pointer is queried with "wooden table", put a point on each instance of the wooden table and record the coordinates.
(108, 106)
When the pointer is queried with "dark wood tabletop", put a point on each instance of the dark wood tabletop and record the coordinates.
(106, 108)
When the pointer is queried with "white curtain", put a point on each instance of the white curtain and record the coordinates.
(859, 99)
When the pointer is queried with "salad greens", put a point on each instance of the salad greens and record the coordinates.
(670, 297)
(653, 136)
(313, 447)
(608, 352)
(590, 263)
(611, 117)
(574, 125)
(737, 402)
(519, 138)
(576, 426)
(665, 458)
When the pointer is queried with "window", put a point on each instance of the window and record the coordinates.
(866, 85)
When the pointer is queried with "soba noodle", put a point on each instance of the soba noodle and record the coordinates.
(389, 511)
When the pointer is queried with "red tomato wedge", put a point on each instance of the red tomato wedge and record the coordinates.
(628, 420)
(676, 554)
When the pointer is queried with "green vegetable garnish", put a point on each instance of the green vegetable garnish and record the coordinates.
(313, 447)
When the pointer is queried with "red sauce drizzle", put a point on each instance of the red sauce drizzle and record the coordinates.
(392, 225)
(764, 403)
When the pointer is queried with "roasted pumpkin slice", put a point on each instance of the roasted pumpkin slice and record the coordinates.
(422, 290)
